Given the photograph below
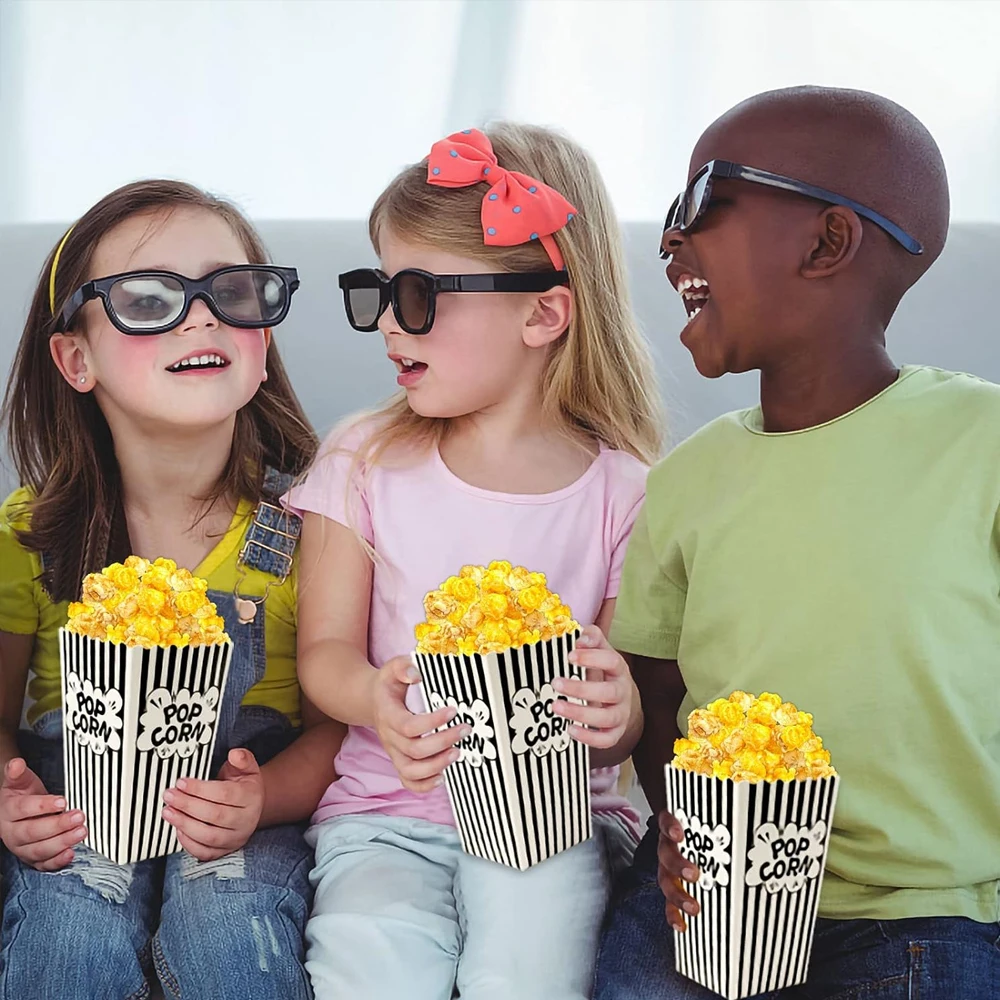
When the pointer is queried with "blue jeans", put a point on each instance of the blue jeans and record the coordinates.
(931, 958)
(230, 928)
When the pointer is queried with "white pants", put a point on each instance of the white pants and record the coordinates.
(402, 913)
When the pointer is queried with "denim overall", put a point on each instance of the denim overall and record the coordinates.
(230, 928)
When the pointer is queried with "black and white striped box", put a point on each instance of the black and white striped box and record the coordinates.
(761, 849)
(521, 788)
(134, 721)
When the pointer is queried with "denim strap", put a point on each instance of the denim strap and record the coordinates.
(270, 541)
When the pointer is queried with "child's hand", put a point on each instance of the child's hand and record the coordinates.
(419, 759)
(214, 818)
(673, 867)
(35, 825)
(608, 690)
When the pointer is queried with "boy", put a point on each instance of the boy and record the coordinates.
(838, 545)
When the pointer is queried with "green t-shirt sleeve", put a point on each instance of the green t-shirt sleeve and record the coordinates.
(18, 570)
(650, 604)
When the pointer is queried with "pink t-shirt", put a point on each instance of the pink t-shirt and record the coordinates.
(425, 524)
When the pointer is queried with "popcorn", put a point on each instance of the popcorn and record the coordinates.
(488, 609)
(752, 739)
(143, 603)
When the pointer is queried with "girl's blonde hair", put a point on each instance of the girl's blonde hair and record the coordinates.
(599, 379)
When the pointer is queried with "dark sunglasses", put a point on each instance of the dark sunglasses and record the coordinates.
(139, 303)
(690, 205)
(413, 293)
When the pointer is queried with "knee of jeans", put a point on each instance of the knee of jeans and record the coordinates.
(49, 930)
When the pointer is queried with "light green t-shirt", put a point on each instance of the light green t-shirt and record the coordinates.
(854, 569)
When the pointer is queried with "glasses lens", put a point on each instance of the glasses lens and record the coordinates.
(692, 204)
(413, 295)
(248, 297)
(363, 298)
(144, 302)
(672, 214)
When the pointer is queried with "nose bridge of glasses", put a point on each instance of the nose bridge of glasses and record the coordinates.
(200, 310)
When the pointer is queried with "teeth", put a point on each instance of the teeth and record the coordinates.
(695, 312)
(407, 362)
(202, 361)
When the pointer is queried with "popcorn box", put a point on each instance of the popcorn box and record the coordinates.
(761, 848)
(521, 788)
(134, 721)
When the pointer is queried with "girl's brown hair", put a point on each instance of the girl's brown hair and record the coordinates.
(599, 379)
(59, 440)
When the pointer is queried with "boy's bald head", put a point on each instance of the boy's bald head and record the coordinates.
(858, 144)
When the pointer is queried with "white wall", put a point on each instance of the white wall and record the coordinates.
(304, 108)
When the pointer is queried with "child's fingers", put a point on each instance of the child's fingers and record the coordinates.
(671, 887)
(59, 861)
(413, 726)
(201, 852)
(430, 746)
(675, 918)
(591, 637)
(595, 716)
(202, 833)
(225, 816)
(429, 767)
(36, 830)
(599, 692)
(669, 827)
(607, 660)
(226, 793)
(598, 739)
(43, 852)
(22, 807)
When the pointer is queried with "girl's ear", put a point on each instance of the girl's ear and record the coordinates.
(549, 318)
(71, 355)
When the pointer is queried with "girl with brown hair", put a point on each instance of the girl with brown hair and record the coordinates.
(148, 412)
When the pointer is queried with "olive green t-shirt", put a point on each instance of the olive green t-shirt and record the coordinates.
(854, 569)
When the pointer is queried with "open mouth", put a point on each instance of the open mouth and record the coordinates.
(408, 366)
(694, 294)
(199, 362)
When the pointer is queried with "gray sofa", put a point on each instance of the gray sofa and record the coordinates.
(949, 319)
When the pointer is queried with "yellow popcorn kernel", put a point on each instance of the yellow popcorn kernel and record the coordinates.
(424, 630)
(462, 589)
(530, 599)
(728, 713)
(187, 602)
(786, 714)
(494, 582)
(746, 738)
(722, 769)
(123, 577)
(491, 608)
(794, 736)
(438, 605)
(494, 606)
(756, 736)
(761, 712)
(151, 602)
(146, 604)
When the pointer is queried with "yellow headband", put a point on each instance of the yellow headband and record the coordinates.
(52, 273)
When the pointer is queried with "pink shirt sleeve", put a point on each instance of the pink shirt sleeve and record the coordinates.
(335, 486)
(626, 501)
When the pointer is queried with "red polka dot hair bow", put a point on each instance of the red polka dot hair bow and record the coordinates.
(516, 208)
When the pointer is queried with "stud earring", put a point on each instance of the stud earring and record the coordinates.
(83, 379)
